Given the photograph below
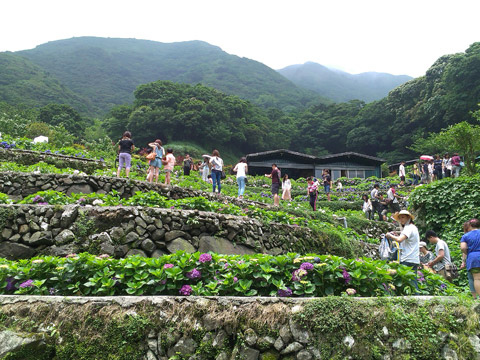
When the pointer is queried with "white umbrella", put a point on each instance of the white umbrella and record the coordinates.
(207, 156)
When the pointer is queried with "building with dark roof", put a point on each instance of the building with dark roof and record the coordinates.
(295, 164)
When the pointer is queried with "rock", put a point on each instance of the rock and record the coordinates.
(219, 339)
(299, 333)
(385, 331)
(11, 342)
(222, 246)
(117, 234)
(349, 341)
(251, 337)
(148, 245)
(401, 344)
(174, 234)
(270, 355)
(40, 238)
(245, 353)
(23, 229)
(304, 355)
(150, 355)
(292, 348)
(185, 346)
(180, 244)
(279, 344)
(61, 251)
(475, 342)
(285, 334)
(158, 234)
(265, 343)
(448, 353)
(131, 237)
(65, 237)
(77, 189)
(158, 253)
(136, 252)
(120, 251)
(140, 222)
(68, 216)
(15, 251)
(222, 356)
(6, 233)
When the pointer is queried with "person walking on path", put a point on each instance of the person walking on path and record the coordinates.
(312, 191)
(327, 182)
(125, 148)
(374, 198)
(217, 168)
(470, 246)
(409, 240)
(447, 165)
(401, 173)
(442, 254)
(286, 188)
(275, 176)
(456, 165)
(205, 167)
(241, 169)
(187, 165)
(156, 164)
(392, 198)
(169, 163)
(367, 207)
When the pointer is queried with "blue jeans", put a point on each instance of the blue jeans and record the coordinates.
(216, 176)
(415, 269)
(241, 185)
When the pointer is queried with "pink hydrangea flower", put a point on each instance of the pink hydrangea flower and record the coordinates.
(186, 290)
(205, 258)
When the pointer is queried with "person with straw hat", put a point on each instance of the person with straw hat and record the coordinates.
(409, 240)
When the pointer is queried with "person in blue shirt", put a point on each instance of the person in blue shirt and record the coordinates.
(470, 245)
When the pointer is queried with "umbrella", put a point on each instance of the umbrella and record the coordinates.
(426, 157)
(207, 156)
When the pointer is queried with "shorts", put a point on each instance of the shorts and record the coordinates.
(474, 270)
(326, 188)
(402, 178)
(471, 282)
(156, 163)
(275, 187)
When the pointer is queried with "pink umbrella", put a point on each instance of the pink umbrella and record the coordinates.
(426, 157)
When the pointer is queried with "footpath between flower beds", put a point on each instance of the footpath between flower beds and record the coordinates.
(168, 327)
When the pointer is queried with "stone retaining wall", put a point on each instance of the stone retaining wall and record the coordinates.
(226, 328)
(28, 157)
(30, 230)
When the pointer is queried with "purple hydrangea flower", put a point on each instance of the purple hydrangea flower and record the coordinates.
(346, 276)
(306, 266)
(28, 283)
(298, 274)
(205, 258)
(186, 290)
(443, 286)
(235, 279)
(168, 266)
(194, 274)
(52, 291)
(10, 284)
(285, 293)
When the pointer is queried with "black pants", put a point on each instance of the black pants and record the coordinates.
(186, 171)
(313, 200)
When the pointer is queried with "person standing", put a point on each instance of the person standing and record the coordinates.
(442, 254)
(470, 246)
(425, 255)
(437, 168)
(367, 207)
(312, 191)
(125, 148)
(416, 173)
(241, 169)
(286, 188)
(327, 182)
(187, 165)
(447, 165)
(169, 163)
(392, 198)
(156, 164)
(456, 165)
(375, 201)
(401, 173)
(409, 240)
(275, 176)
(205, 168)
(217, 168)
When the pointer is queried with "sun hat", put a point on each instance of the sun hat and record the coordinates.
(403, 212)
(422, 244)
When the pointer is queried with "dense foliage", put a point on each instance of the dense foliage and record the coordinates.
(213, 274)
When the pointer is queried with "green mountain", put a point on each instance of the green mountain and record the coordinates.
(341, 86)
(23, 82)
(107, 71)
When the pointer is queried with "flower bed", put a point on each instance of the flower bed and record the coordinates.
(212, 274)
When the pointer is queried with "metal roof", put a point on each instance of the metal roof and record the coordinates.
(316, 158)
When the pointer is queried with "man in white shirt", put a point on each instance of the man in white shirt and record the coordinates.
(401, 173)
(392, 199)
(442, 253)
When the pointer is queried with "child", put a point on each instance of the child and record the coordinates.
(209, 179)
(287, 187)
(169, 163)
(312, 192)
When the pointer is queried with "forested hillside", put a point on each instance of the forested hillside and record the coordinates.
(23, 82)
(107, 71)
(341, 86)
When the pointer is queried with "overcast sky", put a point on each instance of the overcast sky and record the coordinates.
(398, 37)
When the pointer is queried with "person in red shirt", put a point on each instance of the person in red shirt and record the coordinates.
(275, 176)
(312, 190)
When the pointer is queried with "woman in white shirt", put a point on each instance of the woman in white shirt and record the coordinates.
(287, 187)
(241, 169)
(217, 167)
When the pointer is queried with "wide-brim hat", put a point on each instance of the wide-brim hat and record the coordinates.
(422, 244)
(403, 212)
